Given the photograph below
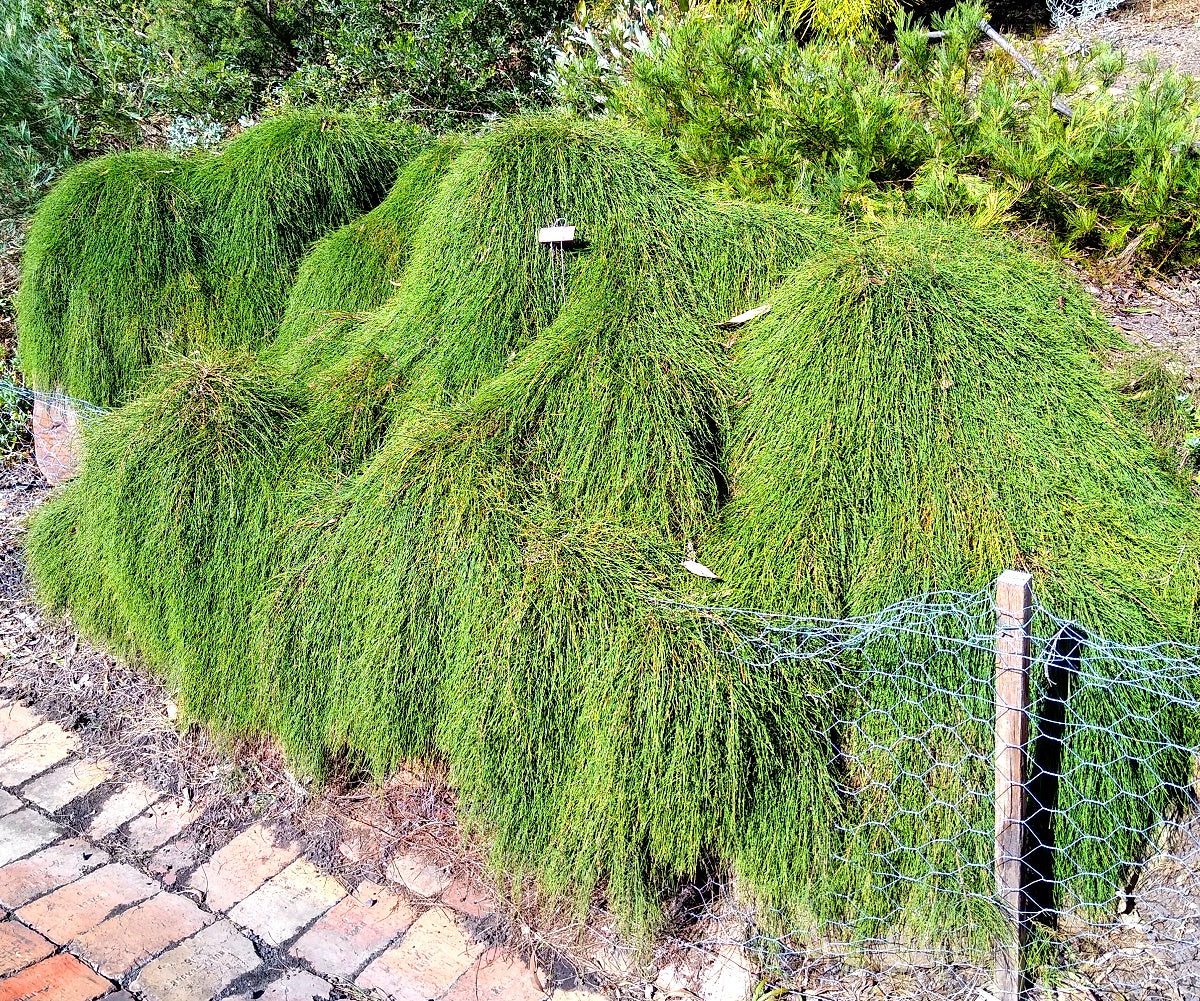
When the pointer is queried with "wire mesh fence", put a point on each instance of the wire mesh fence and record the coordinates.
(922, 896)
(1066, 12)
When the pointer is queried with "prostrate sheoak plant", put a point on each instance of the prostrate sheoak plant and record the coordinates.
(442, 514)
(142, 255)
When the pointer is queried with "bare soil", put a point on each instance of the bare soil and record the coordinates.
(1166, 29)
(1159, 314)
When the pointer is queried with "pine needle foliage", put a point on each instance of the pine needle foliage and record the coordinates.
(137, 255)
(437, 517)
(909, 126)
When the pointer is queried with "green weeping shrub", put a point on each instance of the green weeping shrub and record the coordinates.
(442, 516)
(138, 256)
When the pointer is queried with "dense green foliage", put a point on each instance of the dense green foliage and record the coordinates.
(135, 256)
(441, 62)
(87, 76)
(879, 129)
(437, 515)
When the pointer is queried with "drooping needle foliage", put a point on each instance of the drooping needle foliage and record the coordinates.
(442, 514)
(136, 256)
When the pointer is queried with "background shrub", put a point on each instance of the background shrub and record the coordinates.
(906, 126)
(443, 62)
(81, 77)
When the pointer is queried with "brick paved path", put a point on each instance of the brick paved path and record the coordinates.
(254, 922)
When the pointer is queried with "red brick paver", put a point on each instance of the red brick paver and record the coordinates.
(284, 904)
(418, 876)
(295, 985)
(57, 788)
(496, 978)
(20, 946)
(78, 918)
(59, 978)
(467, 898)
(159, 824)
(122, 806)
(57, 440)
(63, 863)
(121, 944)
(31, 754)
(241, 867)
(355, 931)
(430, 958)
(80, 906)
(16, 720)
(23, 832)
(199, 968)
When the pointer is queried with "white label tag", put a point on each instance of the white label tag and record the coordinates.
(556, 234)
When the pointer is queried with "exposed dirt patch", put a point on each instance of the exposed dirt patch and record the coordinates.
(1167, 29)
(1159, 313)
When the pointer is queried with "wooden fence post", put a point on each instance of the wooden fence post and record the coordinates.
(1014, 606)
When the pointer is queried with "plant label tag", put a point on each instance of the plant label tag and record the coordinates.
(556, 234)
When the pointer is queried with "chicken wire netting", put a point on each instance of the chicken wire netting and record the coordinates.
(1066, 12)
(907, 905)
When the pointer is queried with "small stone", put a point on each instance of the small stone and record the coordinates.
(59, 978)
(21, 882)
(20, 947)
(121, 807)
(32, 753)
(57, 788)
(80, 906)
(431, 957)
(199, 968)
(23, 832)
(241, 867)
(672, 979)
(283, 905)
(419, 877)
(8, 803)
(728, 978)
(355, 930)
(126, 941)
(351, 851)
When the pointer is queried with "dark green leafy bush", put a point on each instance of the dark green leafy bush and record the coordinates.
(438, 61)
(36, 130)
(909, 126)
(80, 77)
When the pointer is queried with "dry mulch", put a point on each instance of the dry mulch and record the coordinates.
(1157, 313)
